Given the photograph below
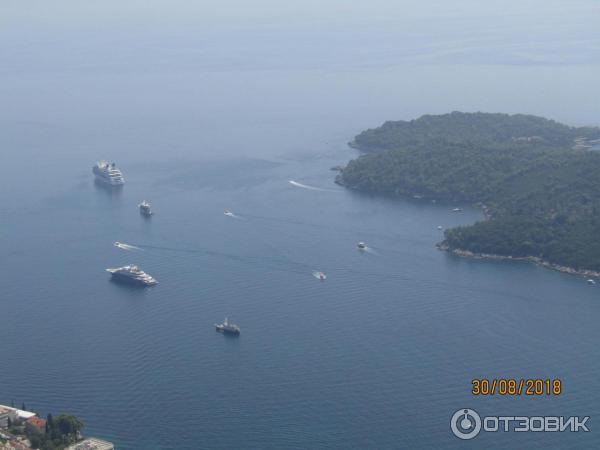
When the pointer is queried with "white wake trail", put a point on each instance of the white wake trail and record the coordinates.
(312, 188)
(233, 216)
(371, 251)
(127, 247)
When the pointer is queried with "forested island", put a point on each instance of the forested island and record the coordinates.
(537, 180)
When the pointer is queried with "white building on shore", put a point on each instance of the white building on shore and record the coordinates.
(14, 414)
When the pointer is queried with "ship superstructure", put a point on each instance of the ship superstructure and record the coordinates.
(108, 173)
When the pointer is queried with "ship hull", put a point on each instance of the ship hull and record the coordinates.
(109, 182)
(117, 277)
(101, 176)
(226, 331)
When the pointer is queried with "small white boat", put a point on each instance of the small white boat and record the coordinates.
(319, 275)
(228, 213)
(592, 282)
(361, 246)
(440, 227)
(457, 210)
(125, 246)
(145, 209)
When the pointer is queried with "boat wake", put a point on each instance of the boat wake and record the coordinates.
(369, 250)
(312, 188)
(273, 263)
(232, 215)
(127, 247)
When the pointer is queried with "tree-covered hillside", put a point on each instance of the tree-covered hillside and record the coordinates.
(542, 195)
(474, 128)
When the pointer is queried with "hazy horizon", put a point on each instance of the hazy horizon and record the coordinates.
(448, 42)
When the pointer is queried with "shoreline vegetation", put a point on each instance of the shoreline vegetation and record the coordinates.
(532, 259)
(26, 429)
(535, 179)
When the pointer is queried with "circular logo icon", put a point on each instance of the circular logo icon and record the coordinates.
(465, 423)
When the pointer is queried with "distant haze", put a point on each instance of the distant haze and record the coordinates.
(189, 75)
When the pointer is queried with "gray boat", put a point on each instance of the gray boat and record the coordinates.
(228, 328)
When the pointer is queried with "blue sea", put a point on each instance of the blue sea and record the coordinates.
(206, 109)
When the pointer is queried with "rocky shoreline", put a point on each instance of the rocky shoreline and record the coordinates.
(469, 254)
(533, 259)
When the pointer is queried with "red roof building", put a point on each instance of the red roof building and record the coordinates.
(35, 424)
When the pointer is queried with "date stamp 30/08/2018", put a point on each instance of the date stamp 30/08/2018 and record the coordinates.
(516, 386)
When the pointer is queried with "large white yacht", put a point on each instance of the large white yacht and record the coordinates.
(108, 173)
(132, 274)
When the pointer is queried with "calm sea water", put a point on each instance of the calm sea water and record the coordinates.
(378, 356)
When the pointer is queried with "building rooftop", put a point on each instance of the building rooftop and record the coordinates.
(37, 422)
(92, 444)
(23, 415)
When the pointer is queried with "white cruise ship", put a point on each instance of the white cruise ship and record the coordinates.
(108, 173)
(132, 274)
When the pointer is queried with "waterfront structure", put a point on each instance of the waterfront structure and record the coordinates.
(6, 415)
(92, 444)
(16, 415)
